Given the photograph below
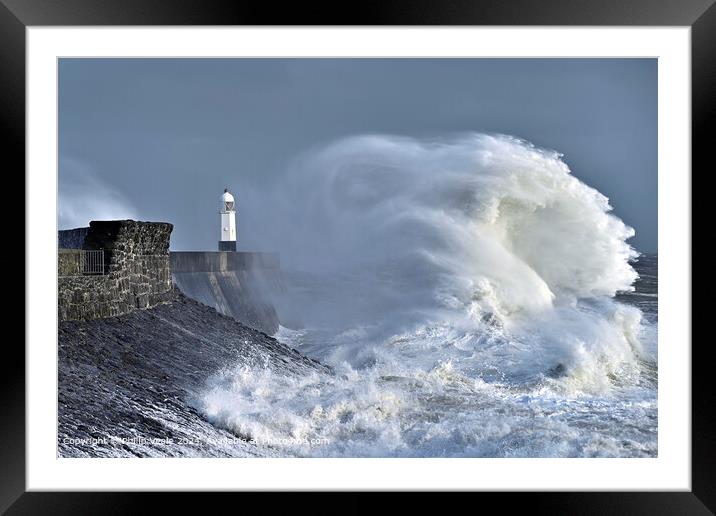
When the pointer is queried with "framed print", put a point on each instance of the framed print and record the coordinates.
(421, 249)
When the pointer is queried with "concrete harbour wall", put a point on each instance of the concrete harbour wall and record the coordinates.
(237, 284)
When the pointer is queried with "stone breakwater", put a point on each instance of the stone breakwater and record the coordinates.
(137, 271)
(238, 284)
(72, 238)
(134, 351)
(126, 384)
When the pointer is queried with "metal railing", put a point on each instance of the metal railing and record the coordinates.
(93, 261)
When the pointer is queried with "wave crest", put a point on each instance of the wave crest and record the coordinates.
(483, 218)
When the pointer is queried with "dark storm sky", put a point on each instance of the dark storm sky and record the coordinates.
(159, 139)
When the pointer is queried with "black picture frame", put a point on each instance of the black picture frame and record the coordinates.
(17, 15)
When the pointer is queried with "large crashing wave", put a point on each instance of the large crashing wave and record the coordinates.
(474, 262)
(486, 227)
(505, 220)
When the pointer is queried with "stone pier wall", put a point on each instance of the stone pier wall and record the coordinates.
(137, 266)
(71, 238)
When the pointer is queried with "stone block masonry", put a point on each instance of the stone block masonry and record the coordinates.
(69, 262)
(71, 238)
(137, 271)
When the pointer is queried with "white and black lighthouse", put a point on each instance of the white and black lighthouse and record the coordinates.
(228, 222)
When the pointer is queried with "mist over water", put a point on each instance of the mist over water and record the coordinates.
(84, 196)
(463, 289)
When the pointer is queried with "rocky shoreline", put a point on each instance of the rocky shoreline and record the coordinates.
(126, 383)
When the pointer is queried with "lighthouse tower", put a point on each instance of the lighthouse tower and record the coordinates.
(228, 222)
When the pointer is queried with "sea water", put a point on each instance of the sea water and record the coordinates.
(473, 298)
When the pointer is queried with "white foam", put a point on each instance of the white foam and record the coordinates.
(462, 288)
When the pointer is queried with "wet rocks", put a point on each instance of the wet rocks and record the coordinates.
(126, 384)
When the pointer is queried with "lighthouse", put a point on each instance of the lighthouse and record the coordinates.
(228, 222)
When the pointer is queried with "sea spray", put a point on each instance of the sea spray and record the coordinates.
(463, 291)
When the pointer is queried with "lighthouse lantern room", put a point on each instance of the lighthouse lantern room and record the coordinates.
(228, 222)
